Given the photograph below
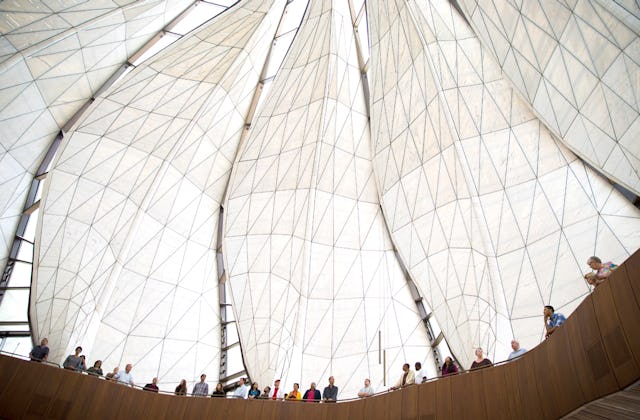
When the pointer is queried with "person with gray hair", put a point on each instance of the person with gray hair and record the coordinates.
(517, 350)
(602, 271)
(312, 394)
(480, 361)
(125, 378)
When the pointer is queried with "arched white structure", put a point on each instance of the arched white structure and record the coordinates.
(126, 263)
(54, 56)
(450, 153)
(311, 267)
(577, 65)
(493, 217)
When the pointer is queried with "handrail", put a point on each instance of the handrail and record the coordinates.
(23, 357)
(596, 352)
(342, 400)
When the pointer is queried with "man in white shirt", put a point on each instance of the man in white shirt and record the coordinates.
(242, 391)
(421, 376)
(407, 378)
(517, 350)
(276, 392)
(124, 377)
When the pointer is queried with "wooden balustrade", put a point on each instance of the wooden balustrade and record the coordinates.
(596, 352)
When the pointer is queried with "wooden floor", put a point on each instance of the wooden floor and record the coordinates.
(620, 405)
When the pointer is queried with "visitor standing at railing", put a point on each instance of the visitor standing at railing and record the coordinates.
(367, 391)
(602, 271)
(407, 378)
(295, 394)
(277, 393)
(265, 393)
(241, 391)
(421, 376)
(153, 386)
(125, 377)
(552, 320)
(219, 392)
(74, 361)
(41, 352)
(312, 394)
(330, 393)
(201, 389)
(517, 350)
(181, 389)
(448, 367)
(480, 361)
(254, 392)
(96, 369)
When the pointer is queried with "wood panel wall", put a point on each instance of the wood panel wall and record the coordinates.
(596, 352)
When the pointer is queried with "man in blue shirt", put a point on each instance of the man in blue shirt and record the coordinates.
(41, 352)
(552, 320)
(517, 350)
(201, 389)
(330, 393)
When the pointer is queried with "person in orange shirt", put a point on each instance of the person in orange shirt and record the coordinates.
(295, 394)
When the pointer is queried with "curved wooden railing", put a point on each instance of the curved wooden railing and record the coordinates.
(595, 353)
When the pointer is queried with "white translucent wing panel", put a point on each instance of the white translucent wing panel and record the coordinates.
(26, 24)
(53, 58)
(577, 65)
(127, 244)
(311, 267)
(422, 186)
(492, 216)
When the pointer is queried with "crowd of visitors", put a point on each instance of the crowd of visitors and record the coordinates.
(552, 321)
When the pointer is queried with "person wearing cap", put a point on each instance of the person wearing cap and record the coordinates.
(276, 392)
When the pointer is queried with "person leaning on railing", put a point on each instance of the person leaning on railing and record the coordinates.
(312, 394)
(125, 378)
(254, 392)
(448, 367)
(552, 320)
(153, 386)
(96, 369)
(201, 389)
(517, 350)
(181, 389)
(74, 361)
(242, 391)
(367, 391)
(330, 393)
(219, 392)
(295, 395)
(41, 352)
(407, 378)
(480, 361)
(603, 270)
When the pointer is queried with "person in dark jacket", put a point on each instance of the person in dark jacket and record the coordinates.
(312, 394)
(449, 368)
